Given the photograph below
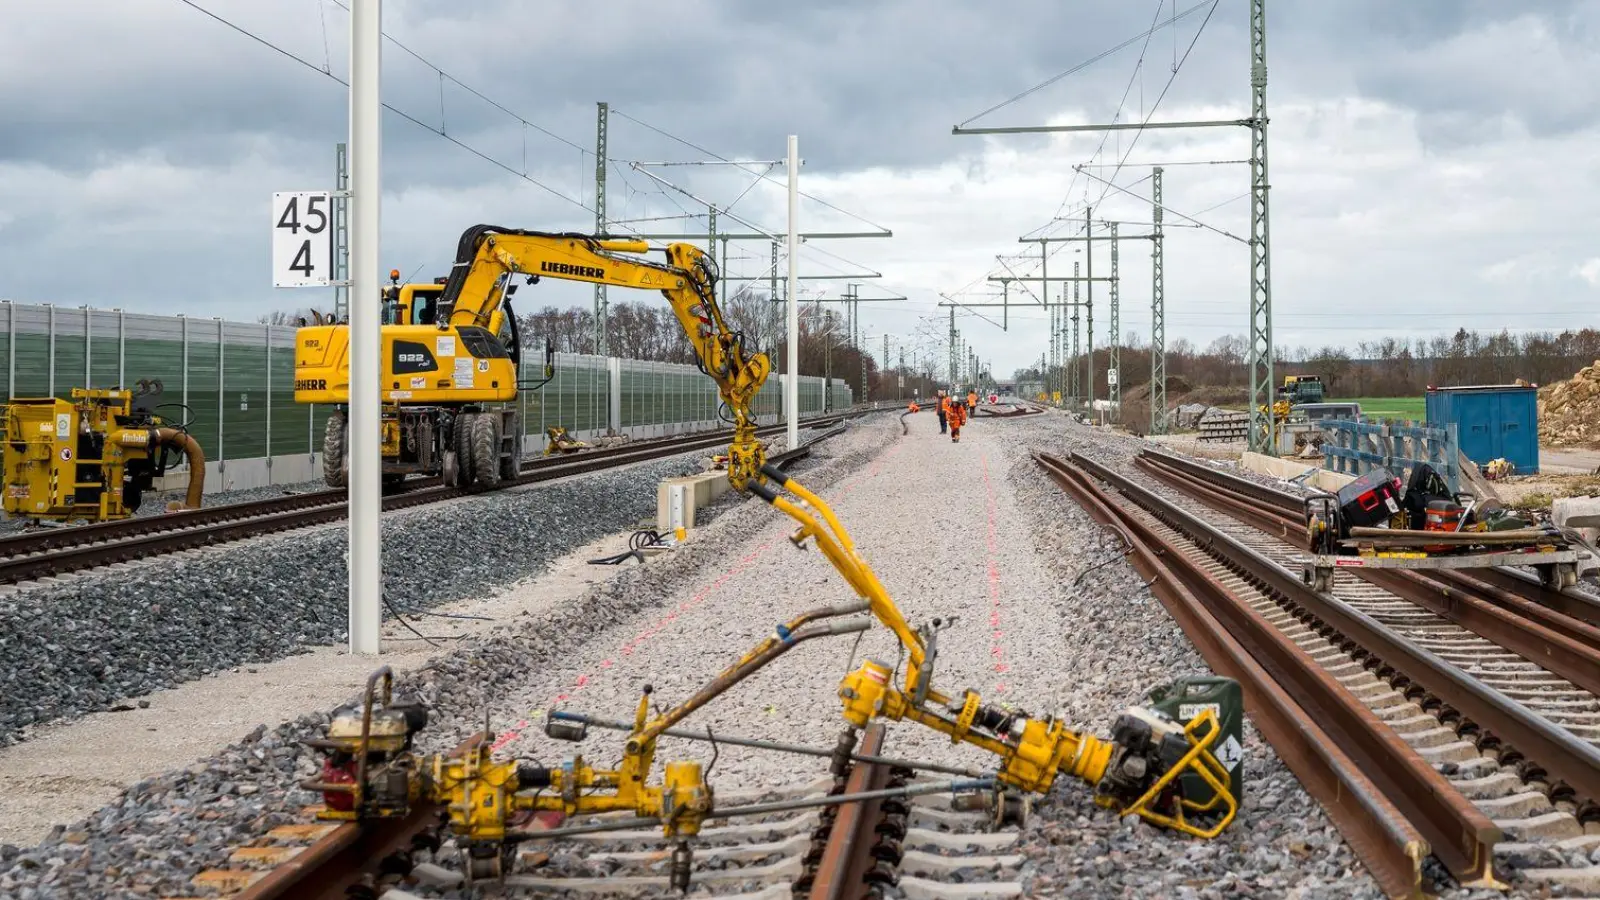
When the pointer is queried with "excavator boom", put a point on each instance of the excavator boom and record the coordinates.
(488, 254)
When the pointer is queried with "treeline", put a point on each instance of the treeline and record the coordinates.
(650, 331)
(1390, 367)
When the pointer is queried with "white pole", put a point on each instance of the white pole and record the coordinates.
(365, 488)
(791, 388)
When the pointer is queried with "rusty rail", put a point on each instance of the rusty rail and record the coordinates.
(1572, 765)
(841, 873)
(1015, 412)
(1569, 602)
(1275, 675)
(30, 556)
(1497, 612)
(350, 854)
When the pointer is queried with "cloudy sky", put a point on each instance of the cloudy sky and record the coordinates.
(1433, 162)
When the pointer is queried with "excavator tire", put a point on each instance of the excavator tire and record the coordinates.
(486, 449)
(333, 450)
(462, 435)
(511, 461)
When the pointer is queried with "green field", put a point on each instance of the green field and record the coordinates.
(1391, 407)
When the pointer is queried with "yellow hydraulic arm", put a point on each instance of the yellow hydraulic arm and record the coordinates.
(1032, 751)
(488, 254)
(1143, 768)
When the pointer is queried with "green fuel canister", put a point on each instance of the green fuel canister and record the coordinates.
(1187, 697)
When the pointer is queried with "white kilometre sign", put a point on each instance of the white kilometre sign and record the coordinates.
(1111, 376)
(302, 239)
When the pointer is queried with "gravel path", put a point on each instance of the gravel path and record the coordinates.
(984, 538)
(975, 532)
(163, 830)
(99, 639)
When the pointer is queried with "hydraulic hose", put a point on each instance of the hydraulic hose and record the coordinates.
(180, 440)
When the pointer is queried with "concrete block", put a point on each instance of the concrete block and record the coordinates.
(1288, 468)
(678, 498)
(1575, 512)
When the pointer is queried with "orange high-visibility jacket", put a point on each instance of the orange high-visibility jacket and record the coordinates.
(972, 399)
(956, 413)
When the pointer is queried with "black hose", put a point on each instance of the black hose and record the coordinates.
(399, 617)
(645, 537)
(1126, 549)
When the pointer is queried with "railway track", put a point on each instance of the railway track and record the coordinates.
(1510, 634)
(1478, 756)
(40, 554)
(905, 835)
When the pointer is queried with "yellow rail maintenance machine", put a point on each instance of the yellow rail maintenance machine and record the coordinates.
(92, 457)
(1176, 765)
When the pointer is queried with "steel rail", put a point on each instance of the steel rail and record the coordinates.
(1571, 763)
(1352, 764)
(56, 538)
(847, 857)
(348, 854)
(276, 515)
(1570, 602)
(1566, 646)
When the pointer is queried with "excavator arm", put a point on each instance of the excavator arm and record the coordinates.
(488, 254)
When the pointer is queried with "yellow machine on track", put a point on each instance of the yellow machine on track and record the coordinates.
(1152, 765)
(451, 353)
(92, 457)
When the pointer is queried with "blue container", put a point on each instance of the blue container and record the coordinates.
(1492, 421)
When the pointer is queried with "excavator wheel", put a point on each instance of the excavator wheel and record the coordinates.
(511, 456)
(333, 451)
(462, 441)
(486, 449)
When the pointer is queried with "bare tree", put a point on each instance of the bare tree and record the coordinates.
(285, 317)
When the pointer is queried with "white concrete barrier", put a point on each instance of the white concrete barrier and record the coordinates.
(1289, 468)
(678, 498)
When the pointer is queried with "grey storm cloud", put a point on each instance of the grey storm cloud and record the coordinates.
(93, 85)
(866, 83)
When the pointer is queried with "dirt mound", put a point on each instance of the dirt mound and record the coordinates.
(1177, 385)
(1569, 411)
(1213, 395)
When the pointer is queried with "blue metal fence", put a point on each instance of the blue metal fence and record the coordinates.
(1355, 448)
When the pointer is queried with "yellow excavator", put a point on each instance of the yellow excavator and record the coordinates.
(451, 353)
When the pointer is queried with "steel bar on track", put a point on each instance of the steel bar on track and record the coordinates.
(1580, 605)
(1554, 750)
(1570, 602)
(1389, 845)
(338, 860)
(152, 539)
(1568, 647)
(848, 856)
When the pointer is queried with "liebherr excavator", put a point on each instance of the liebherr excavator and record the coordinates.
(445, 360)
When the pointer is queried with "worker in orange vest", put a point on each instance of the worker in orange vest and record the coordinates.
(972, 402)
(957, 414)
(943, 401)
(913, 407)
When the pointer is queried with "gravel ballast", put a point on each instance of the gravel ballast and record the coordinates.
(1281, 845)
(105, 636)
(164, 830)
(975, 532)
